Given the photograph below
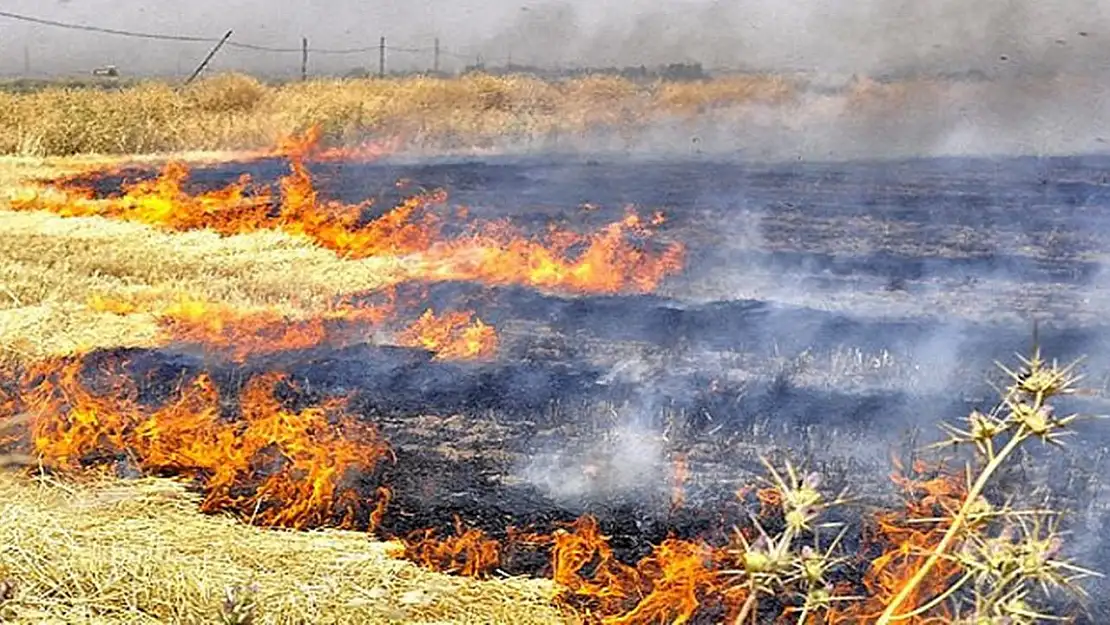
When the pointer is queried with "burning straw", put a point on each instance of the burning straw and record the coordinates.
(493, 252)
(954, 551)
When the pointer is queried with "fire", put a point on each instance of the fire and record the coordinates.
(243, 207)
(470, 552)
(904, 538)
(601, 262)
(271, 465)
(304, 468)
(456, 335)
(308, 147)
(406, 229)
(671, 585)
(614, 259)
(161, 201)
(683, 580)
(240, 334)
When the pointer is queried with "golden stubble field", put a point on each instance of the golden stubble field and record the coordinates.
(236, 112)
(88, 548)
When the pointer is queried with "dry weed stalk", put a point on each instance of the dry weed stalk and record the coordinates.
(1002, 569)
(778, 565)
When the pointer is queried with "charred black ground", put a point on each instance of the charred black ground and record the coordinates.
(827, 309)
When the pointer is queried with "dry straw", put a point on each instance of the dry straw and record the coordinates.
(110, 551)
(235, 111)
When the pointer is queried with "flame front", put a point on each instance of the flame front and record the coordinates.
(905, 538)
(240, 334)
(319, 465)
(470, 552)
(272, 465)
(614, 259)
(607, 263)
(308, 146)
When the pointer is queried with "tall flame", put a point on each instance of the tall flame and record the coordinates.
(606, 261)
(272, 465)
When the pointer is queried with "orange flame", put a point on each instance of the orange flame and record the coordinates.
(455, 335)
(470, 552)
(241, 334)
(906, 537)
(670, 585)
(272, 465)
(605, 261)
(309, 147)
(276, 466)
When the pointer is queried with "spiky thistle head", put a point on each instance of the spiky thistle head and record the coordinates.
(802, 501)
(1036, 377)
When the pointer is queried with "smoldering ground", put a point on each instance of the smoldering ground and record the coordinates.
(829, 312)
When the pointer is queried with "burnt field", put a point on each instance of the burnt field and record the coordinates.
(832, 312)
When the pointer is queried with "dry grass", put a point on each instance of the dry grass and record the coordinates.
(141, 552)
(50, 268)
(234, 111)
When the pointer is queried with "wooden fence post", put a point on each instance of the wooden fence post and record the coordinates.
(304, 59)
(381, 57)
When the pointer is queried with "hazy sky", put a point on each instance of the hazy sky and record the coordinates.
(830, 35)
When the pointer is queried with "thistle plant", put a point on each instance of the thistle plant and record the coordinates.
(776, 565)
(1001, 568)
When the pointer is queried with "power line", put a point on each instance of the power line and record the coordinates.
(109, 31)
(195, 39)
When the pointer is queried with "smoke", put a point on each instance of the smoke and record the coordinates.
(627, 459)
(877, 78)
(882, 295)
(823, 36)
(963, 78)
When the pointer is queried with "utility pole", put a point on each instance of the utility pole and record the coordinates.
(435, 62)
(204, 63)
(26, 61)
(304, 59)
(381, 57)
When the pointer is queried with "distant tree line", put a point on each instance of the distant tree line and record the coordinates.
(670, 72)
